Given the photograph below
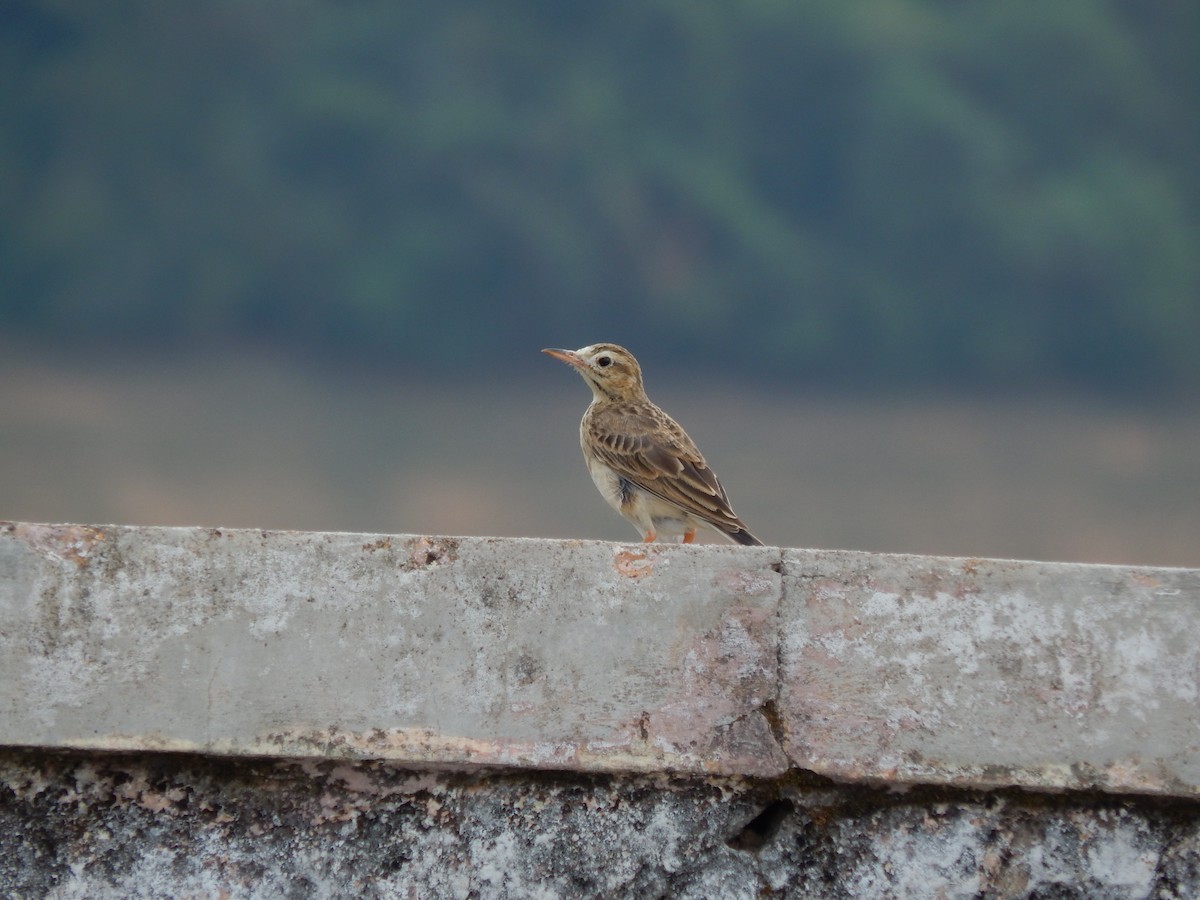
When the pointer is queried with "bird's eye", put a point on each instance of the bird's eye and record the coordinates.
(604, 361)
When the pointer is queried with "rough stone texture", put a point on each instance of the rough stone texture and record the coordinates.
(94, 825)
(992, 672)
(451, 650)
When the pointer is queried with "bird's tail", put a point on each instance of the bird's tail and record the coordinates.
(742, 536)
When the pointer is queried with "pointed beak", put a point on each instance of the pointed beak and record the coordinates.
(570, 357)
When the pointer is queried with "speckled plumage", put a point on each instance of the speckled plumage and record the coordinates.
(642, 461)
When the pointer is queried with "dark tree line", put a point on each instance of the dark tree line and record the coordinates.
(916, 189)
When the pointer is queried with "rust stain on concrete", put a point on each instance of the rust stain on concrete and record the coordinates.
(430, 746)
(74, 543)
(632, 565)
(426, 551)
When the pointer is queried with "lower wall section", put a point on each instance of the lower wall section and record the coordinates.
(96, 825)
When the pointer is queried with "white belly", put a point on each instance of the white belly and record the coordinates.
(647, 512)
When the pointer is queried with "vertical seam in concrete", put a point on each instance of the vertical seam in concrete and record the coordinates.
(771, 709)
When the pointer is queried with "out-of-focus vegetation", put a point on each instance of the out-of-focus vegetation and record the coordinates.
(1006, 193)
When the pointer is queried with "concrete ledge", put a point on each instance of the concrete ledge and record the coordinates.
(986, 673)
(599, 657)
(460, 651)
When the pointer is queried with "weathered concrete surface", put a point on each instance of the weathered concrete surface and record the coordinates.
(598, 657)
(992, 672)
(103, 826)
(428, 650)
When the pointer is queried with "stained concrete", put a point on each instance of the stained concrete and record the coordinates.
(592, 656)
(451, 650)
(992, 672)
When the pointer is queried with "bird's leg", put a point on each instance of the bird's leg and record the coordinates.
(689, 535)
(649, 536)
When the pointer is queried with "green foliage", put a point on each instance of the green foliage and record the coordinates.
(928, 190)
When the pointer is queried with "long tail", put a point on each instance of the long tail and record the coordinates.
(742, 536)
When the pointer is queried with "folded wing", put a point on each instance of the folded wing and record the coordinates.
(646, 446)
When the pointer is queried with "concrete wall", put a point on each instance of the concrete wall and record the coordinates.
(212, 711)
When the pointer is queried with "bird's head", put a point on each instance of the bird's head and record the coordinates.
(610, 371)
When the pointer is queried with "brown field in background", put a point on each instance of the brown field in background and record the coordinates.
(240, 442)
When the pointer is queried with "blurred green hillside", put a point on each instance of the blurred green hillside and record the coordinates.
(912, 190)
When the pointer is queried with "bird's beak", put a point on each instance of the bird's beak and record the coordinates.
(570, 357)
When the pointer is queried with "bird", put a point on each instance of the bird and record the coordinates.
(643, 463)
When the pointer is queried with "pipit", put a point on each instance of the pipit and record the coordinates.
(643, 463)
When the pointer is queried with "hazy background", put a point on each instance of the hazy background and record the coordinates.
(918, 276)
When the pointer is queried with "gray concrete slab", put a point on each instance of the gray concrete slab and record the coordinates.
(992, 672)
(462, 651)
(600, 657)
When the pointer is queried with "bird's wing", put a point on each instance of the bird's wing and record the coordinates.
(646, 446)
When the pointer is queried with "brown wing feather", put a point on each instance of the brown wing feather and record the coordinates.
(646, 446)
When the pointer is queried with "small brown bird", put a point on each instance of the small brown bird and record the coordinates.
(644, 464)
